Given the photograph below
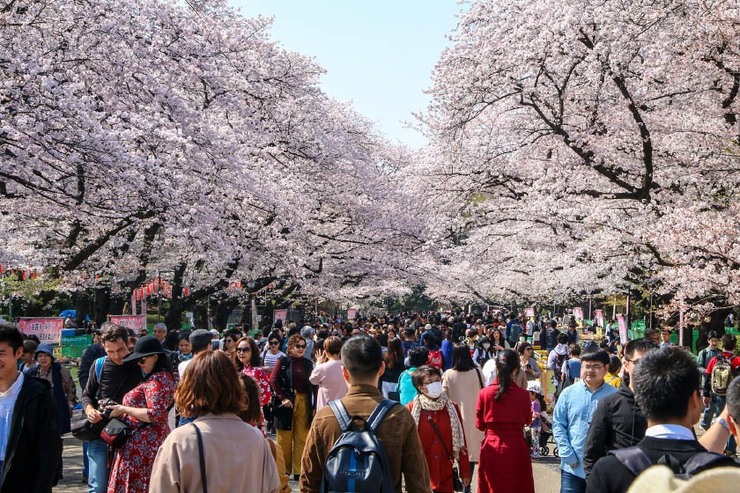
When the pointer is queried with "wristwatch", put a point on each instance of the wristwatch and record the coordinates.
(723, 423)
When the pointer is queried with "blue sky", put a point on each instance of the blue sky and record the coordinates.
(378, 54)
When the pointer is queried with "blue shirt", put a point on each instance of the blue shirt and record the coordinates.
(406, 387)
(571, 421)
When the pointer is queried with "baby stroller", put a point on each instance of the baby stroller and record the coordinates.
(546, 437)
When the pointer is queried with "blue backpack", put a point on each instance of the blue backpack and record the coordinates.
(358, 462)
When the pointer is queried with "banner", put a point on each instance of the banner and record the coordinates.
(599, 317)
(529, 312)
(578, 313)
(133, 322)
(46, 329)
(279, 315)
(622, 323)
(351, 314)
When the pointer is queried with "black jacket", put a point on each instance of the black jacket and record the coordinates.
(33, 451)
(115, 382)
(282, 384)
(616, 423)
(89, 355)
(610, 476)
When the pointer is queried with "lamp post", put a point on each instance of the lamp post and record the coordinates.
(253, 304)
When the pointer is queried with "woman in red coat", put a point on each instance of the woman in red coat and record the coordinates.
(502, 410)
(440, 430)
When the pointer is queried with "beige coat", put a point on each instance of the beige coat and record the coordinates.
(463, 387)
(238, 459)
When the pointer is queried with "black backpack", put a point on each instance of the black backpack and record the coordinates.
(358, 462)
(636, 461)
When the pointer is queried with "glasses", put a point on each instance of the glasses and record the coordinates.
(243, 350)
(431, 381)
(142, 360)
(274, 343)
(300, 346)
(594, 367)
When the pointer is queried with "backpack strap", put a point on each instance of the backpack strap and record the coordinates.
(705, 460)
(633, 458)
(340, 412)
(99, 367)
(379, 413)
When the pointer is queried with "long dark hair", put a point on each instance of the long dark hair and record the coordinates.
(507, 362)
(393, 357)
(163, 364)
(461, 359)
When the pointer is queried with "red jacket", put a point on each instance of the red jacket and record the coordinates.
(440, 467)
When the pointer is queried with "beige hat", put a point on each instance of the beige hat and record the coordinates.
(660, 479)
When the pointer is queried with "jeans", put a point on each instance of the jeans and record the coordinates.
(97, 455)
(570, 483)
(85, 460)
(713, 409)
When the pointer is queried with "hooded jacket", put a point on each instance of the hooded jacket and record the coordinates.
(32, 454)
(617, 423)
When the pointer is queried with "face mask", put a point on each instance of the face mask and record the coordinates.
(434, 390)
(486, 346)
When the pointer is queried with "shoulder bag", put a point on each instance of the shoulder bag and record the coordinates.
(456, 481)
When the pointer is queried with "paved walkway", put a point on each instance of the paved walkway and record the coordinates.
(546, 475)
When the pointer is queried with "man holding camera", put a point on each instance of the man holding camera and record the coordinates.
(108, 380)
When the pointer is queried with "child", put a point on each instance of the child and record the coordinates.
(538, 405)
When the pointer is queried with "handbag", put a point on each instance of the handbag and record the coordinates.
(456, 481)
(116, 433)
(82, 429)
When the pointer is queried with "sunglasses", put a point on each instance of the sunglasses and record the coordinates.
(243, 350)
(142, 360)
(300, 346)
(274, 343)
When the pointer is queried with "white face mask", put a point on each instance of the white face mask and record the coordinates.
(434, 390)
(486, 346)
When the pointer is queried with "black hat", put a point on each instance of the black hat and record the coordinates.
(146, 346)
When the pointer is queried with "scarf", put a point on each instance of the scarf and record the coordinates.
(423, 402)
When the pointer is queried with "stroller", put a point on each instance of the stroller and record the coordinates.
(546, 437)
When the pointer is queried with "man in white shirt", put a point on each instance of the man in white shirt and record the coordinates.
(29, 431)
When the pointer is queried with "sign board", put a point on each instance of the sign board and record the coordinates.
(578, 313)
(529, 312)
(47, 329)
(622, 324)
(280, 315)
(133, 322)
(351, 314)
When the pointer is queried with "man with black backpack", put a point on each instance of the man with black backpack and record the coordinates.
(667, 383)
(334, 456)
(720, 372)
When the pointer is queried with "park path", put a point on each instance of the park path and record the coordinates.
(546, 475)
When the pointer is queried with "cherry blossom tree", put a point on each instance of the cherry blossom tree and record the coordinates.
(571, 138)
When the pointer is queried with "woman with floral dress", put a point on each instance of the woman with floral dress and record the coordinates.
(145, 410)
(249, 363)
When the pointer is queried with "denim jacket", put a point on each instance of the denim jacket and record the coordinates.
(571, 421)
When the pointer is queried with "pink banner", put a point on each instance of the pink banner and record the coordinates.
(279, 315)
(46, 329)
(529, 311)
(622, 323)
(133, 322)
(351, 314)
(578, 313)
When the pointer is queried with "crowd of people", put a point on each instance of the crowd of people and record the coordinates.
(196, 411)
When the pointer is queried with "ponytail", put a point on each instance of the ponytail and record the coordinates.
(507, 362)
